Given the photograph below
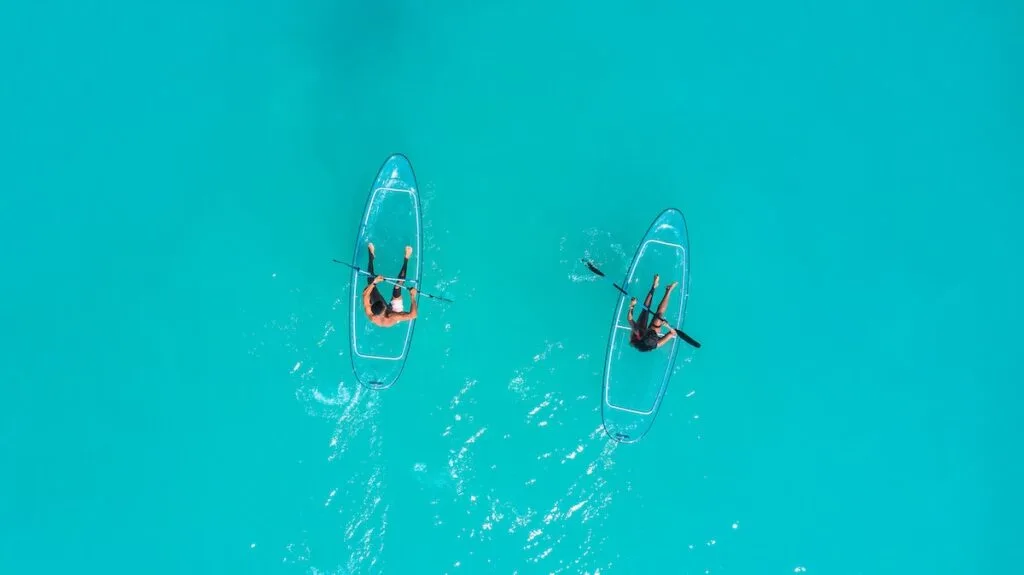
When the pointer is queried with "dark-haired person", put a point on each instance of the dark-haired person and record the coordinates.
(644, 336)
(379, 311)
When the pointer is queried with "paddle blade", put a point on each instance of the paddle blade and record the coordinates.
(687, 338)
(592, 268)
(437, 297)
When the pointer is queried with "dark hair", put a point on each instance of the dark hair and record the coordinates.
(378, 307)
(646, 342)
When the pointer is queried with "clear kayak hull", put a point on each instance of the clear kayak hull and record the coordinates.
(391, 220)
(635, 382)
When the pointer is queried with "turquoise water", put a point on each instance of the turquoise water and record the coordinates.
(178, 396)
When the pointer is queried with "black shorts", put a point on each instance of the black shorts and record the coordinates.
(375, 296)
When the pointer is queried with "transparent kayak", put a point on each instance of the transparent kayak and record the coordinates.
(391, 221)
(635, 382)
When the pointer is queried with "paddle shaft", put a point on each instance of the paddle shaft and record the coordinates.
(393, 281)
(679, 332)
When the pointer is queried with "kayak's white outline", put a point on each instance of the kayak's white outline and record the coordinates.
(357, 295)
(618, 325)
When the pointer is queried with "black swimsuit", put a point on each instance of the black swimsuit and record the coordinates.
(650, 337)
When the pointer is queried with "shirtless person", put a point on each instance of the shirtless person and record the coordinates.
(646, 337)
(377, 310)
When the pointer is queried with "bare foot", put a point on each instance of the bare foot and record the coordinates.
(656, 279)
(369, 246)
(408, 252)
(671, 286)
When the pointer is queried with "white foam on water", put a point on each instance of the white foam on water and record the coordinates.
(469, 383)
(328, 329)
(572, 454)
(356, 415)
(575, 508)
(518, 383)
(460, 461)
(476, 435)
(547, 351)
(594, 245)
(352, 410)
(553, 537)
(364, 532)
(299, 553)
(551, 514)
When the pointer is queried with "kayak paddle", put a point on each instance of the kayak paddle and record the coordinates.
(679, 332)
(393, 281)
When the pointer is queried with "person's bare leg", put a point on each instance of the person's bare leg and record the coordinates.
(650, 294)
(397, 292)
(659, 317)
(369, 267)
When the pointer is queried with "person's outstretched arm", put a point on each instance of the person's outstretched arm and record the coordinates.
(664, 339)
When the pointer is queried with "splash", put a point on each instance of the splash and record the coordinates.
(592, 244)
